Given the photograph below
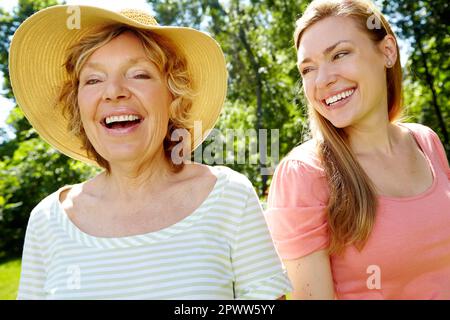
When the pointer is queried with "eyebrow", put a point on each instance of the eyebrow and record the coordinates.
(327, 50)
(97, 65)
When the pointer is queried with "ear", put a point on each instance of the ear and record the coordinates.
(388, 47)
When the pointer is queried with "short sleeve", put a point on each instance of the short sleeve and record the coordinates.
(258, 271)
(32, 276)
(296, 213)
(431, 144)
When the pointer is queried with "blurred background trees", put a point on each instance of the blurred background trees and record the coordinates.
(264, 90)
(423, 25)
(29, 168)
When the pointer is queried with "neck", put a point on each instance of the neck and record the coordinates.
(129, 181)
(377, 138)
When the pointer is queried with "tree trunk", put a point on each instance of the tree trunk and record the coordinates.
(430, 83)
(259, 85)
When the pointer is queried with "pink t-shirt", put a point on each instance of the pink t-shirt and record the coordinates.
(407, 255)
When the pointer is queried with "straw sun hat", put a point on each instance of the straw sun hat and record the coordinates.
(36, 66)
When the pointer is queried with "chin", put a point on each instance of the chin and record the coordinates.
(340, 125)
(121, 155)
(343, 120)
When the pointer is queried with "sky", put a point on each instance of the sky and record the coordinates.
(6, 105)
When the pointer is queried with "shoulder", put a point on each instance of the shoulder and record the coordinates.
(236, 198)
(299, 179)
(201, 172)
(232, 179)
(416, 127)
(45, 210)
(424, 134)
(429, 141)
(302, 160)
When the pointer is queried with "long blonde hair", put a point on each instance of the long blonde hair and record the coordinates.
(353, 202)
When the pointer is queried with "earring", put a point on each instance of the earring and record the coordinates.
(389, 63)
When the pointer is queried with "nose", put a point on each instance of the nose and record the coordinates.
(325, 77)
(115, 90)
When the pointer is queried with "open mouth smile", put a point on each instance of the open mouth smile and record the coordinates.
(338, 99)
(121, 124)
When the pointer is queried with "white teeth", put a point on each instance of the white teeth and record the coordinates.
(339, 96)
(129, 117)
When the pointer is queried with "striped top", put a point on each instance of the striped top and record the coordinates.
(222, 250)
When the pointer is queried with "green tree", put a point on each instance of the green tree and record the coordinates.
(427, 86)
(256, 37)
(29, 168)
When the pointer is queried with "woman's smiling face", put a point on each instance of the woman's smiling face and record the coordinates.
(124, 101)
(343, 72)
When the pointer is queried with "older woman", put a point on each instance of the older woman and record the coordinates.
(361, 211)
(112, 92)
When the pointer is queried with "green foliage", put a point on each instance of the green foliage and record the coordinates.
(29, 168)
(427, 86)
(256, 38)
(34, 171)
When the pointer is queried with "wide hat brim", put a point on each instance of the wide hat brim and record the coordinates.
(36, 67)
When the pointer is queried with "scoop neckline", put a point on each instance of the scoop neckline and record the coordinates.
(86, 239)
(433, 185)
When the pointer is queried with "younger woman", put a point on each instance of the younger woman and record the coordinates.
(361, 211)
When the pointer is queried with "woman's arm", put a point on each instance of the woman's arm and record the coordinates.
(311, 276)
(32, 275)
(258, 272)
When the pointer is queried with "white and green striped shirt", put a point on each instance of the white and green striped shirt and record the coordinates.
(223, 250)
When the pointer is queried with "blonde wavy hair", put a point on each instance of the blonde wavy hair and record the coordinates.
(353, 201)
(161, 51)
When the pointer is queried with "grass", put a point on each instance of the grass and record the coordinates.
(9, 279)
